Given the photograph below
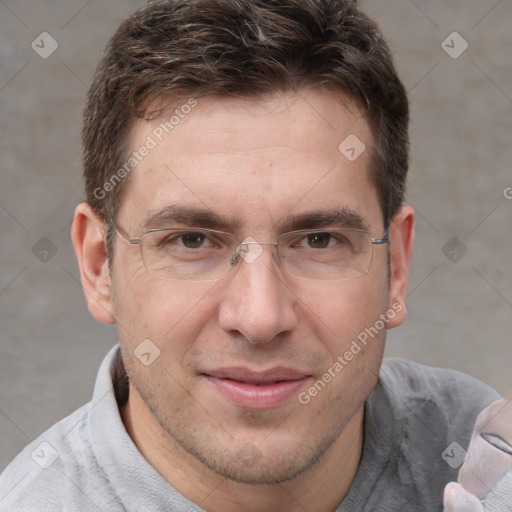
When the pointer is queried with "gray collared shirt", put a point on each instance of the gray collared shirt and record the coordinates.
(88, 462)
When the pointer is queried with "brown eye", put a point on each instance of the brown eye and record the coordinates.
(193, 240)
(319, 240)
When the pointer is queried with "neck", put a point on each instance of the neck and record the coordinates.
(321, 488)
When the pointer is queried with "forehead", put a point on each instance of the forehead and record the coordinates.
(254, 159)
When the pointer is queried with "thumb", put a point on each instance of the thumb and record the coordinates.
(457, 499)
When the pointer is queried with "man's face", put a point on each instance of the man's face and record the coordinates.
(257, 164)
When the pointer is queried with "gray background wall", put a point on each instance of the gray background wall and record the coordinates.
(460, 303)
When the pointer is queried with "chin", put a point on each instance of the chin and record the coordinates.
(256, 462)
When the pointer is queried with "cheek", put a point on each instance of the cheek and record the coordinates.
(346, 308)
(165, 312)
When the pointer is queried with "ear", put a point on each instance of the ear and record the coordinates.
(401, 235)
(88, 236)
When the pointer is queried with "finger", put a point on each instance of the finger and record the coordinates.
(457, 499)
(483, 467)
(489, 454)
(499, 499)
(497, 419)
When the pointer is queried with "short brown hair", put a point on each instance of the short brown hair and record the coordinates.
(172, 50)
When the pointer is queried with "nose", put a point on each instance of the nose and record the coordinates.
(258, 304)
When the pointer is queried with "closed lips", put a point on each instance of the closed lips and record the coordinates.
(263, 378)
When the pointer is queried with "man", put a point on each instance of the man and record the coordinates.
(245, 165)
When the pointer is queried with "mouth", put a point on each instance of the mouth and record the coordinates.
(256, 390)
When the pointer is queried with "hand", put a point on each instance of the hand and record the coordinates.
(485, 478)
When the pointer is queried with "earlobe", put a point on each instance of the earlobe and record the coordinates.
(401, 244)
(88, 236)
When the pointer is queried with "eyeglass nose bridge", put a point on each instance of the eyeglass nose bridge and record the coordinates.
(254, 242)
(245, 254)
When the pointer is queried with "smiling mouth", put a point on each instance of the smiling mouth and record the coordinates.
(270, 376)
(261, 384)
(256, 390)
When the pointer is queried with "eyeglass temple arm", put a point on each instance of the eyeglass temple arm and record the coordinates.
(383, 240)
(124, 234)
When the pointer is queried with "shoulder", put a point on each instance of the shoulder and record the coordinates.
(59, 470)
(422, 419)
(56, 471)
(455, 396)
(412, 418)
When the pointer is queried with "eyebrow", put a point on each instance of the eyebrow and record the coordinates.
(341, 218)
(188, 216)
(205, 218)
